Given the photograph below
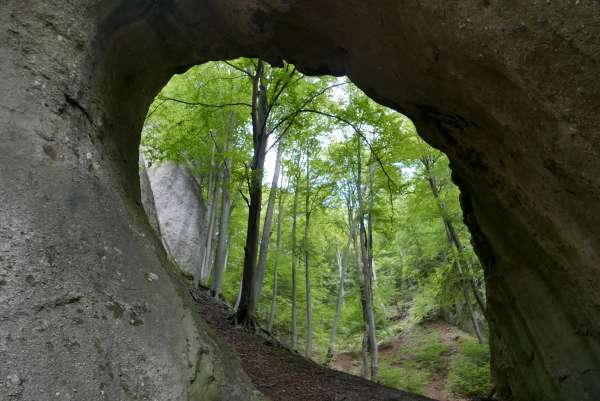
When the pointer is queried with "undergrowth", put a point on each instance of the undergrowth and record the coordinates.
(469, 373)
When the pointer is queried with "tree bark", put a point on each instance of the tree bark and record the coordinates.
(223, 245)
(367, 259)
(295, 257)
(369, 278)
(308, 351)
(451, 234)
(342, 262)
(267, 226)
(276, 263)
(248, 302)
(206, 207)
(364, 372)
(214, 206)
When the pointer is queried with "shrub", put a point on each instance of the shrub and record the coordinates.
(424, 306)
(402, 378)
(430, 353)
(469, 373)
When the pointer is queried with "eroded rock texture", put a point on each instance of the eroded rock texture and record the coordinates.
(509, 90)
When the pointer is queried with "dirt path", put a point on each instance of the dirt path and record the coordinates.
(283, 375)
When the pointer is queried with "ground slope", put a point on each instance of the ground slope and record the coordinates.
(417, 359)
(283, 375)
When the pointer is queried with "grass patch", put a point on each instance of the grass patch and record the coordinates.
(404, 378)
(422, 356)
(424, 351)
(430, 352)
(469, 373)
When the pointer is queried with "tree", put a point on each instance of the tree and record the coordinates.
(221, 256)
(266, 233)
(276, 263)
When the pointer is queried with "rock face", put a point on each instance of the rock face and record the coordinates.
(509, 90)
(174, 199)
(147, 197)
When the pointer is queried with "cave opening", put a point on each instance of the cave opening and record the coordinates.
(352, 195)
(508, 93)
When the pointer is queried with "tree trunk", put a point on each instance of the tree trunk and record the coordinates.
(369, 277)
(248, 302)
(308, 351)
(205, 216)
(364, 372)
(451, 233)
(465, 292)
(367, 259)
(276, 263)
(222, 247)
(295, 258)
(239, 295)
(266, 234)
(342, 262)
(214, 206)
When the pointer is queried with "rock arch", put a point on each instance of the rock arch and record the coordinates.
(508, 90)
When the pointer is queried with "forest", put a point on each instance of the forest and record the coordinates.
(328, 223)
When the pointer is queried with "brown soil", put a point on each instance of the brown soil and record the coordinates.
(284, 375)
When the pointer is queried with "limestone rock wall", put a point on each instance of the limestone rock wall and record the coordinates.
(147, 197)
(177, 206)
(90, 309)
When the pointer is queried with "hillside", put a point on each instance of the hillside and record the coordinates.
(434, 359)
(284, 375)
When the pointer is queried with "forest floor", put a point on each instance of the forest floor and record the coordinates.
(284, 375)
(416, 359)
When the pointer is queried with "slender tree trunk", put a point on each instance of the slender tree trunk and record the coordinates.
(451, 234)
(342, 262)
(364, 372)
(460, 249)
(203, 210)
(239, 295)
(233, 205)
(465, 292)
(214, 205)
(309, 333)
(266, 234)
(369, 277)
(247, 308)
(295, 258)
(365, 244)
(276, 263)
(205, 219)
(223, 245)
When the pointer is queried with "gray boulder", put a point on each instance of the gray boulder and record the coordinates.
(171, 199)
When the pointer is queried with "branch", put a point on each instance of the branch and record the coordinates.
(244, 197)
(309, 99)
(154, 110)
(361, 134)
(216, 106)
(235, 67)
(277, 94)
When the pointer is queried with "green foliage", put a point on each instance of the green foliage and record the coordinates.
(407, 379)
(430, 352)
(413, 261)
(469, 373)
